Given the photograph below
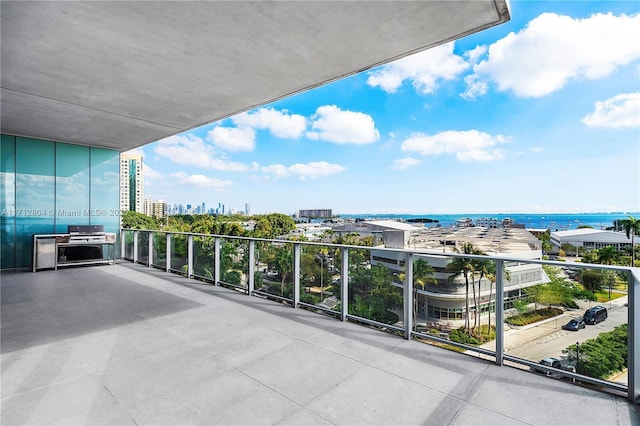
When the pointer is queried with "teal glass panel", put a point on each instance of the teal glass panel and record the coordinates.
(72, 186)
(7, 201)
(105, 189)
(35, 194)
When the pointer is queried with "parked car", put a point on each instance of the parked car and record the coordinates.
(553, 363)
(595, 315)
(574, 324)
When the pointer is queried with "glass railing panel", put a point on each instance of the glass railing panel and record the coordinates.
(375, 287)
(274, 271)
(143, 247)
(159, 249)
(204, 251)
(234, 262)
(575, 321)
(319, 281)
(128, 245)
(179, 255)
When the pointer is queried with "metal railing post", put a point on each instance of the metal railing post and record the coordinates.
(135, 246)
(190, 256)
(296, 275)
(216, 261)
(408, 295)
(167, 262)
(499, 312)
(122, 243)
(344, 283)
(252, 267)
(150, 235)
(633, 339)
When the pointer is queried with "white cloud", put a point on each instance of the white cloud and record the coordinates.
(405, 163)
(312, 170)
(200, 181)
(150, 173)
(331, 124)
(470, 145)
(193, 151)
(424, 69)
(233, 138)
(553, 50)
(279, 123)
(620, 111)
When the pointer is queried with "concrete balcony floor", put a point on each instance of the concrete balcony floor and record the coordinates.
(125, 344)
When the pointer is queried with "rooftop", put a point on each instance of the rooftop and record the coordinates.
(488, 240)
(126, 344)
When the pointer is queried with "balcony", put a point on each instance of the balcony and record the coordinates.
(133, 343)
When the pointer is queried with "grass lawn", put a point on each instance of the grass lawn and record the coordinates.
(603, 296)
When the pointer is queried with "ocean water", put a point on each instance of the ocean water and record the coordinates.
(552, 221)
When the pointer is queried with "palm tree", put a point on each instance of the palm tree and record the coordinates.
(631, 227)
(422, 275)
(607, 255)
(465, 267)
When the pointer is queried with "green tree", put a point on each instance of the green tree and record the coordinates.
(273, 225)
(591, 280)
(631, 227)
(607, 255)
(463, 266)
(134, 220)
(283, 264)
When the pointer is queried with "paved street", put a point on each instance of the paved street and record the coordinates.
(549, 339)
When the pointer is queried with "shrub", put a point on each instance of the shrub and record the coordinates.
(461, 335)
(535, 316)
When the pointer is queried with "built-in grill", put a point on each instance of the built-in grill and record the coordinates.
(81, 245)
(89, 234)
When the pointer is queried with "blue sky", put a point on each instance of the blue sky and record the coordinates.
(538, 115)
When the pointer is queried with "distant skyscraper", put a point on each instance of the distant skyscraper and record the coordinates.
(131, 183)
(246, 209)
(203, 210)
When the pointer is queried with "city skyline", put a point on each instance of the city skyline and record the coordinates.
(538, 115)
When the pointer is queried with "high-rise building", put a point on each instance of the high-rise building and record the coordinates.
(155, 208)
(246, 209)
(131, 183)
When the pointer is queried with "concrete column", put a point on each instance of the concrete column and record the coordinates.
(168, 253)
(122, 243)
(252, 267)
(190, 256)
(633, 340)
(344, 283)
(150, 234)
(499, 312)
(216, 262)
(408, 295)
(135, 246)
(296, 275)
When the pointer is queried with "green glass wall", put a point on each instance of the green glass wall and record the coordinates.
(47, 186)
(72, 186)
(105, 189)
(7, 201)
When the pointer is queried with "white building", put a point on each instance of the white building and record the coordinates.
(591, 239)
(446, 299)
(131, 183)
(155, 208)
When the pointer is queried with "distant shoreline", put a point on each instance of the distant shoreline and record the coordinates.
(552, 221)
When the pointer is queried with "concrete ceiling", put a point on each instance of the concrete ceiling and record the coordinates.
(120, 74)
